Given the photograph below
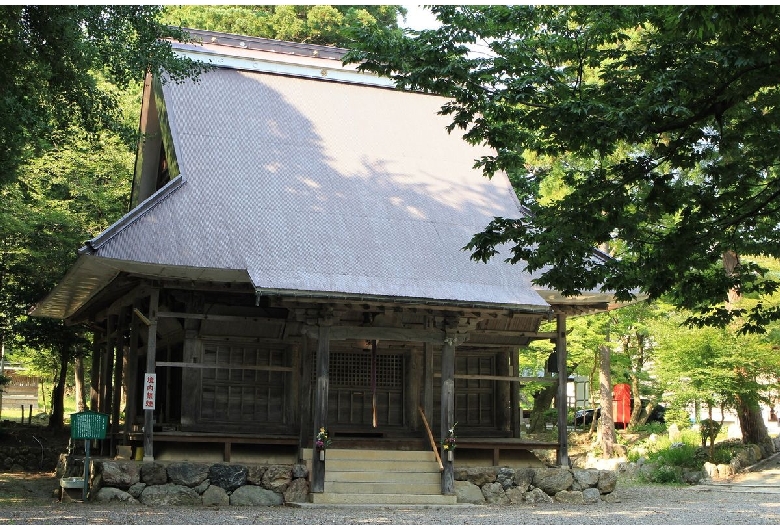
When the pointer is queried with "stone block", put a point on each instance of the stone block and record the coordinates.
(228, 477)
(119, 473)
(215, 496)
(255, 496)
(607, 481)
(188, 474)
(169, 495)
(494, 493)
(468, 493)
(298, 491)
(113, 495)
(591, 496)
(537, 496)
(154, 474)
(553, 480)
(570, 497)
(277, 478)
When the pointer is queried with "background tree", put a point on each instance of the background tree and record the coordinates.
(332, 25)
(662, 118)
(51, 54)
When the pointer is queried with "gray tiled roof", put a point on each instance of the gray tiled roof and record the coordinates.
(323, 187)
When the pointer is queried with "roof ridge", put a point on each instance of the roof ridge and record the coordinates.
(246, 42)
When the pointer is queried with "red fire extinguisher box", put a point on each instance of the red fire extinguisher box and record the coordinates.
(621, 404)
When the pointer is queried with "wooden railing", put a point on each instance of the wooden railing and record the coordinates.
(430, 437)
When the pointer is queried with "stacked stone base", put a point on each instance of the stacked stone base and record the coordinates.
(197, 484)
(504, 485)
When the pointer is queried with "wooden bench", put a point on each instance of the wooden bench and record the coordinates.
(226, 439)
(496, 444)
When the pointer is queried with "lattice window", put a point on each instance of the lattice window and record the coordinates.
(240, 389)
(350, 396)
(354, 370)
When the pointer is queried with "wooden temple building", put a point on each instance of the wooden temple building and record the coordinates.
(292, 260)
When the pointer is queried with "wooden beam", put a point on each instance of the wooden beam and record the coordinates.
(483, 334)
(221, 318)
(203, 366)
(125, 300)
(378, 333)
(504, 378)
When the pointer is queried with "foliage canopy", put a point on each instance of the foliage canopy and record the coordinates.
(51, 54)
(659, 123)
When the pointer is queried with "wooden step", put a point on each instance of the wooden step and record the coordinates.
(391, 477)
(389, 466)
(383, 488)
(366, 476)
(371, 455)
(395, 499)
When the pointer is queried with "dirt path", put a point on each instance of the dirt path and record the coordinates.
(28, 488)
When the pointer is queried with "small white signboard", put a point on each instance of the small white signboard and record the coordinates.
(150, 390)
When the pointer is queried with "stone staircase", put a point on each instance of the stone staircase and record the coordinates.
(367, 476)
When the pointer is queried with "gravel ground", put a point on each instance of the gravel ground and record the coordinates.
(639, 505)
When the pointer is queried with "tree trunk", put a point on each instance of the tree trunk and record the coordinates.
(57, 418)
(608, 438)
(748, 410)
(637, 410)
(2, 368)
(542, 403)
(753, 427)
(78, 367)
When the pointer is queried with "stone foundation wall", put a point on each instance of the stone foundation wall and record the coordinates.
(197, 484)
(186, 483)
(504, 485)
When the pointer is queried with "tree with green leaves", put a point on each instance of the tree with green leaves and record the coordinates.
(68, 196)
(659, 121)
(330, 25)
(53, 56)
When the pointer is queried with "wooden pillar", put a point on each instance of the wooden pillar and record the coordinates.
(503, 398)
(428, 381)
(562, 457)
(192, 378)
(107, 365)
(151, 360)
(321, 405)
(94, 373)
(293, 381)
(414, 378)
(305, 395)
(447, 410)
(116, 399)
(514, 394)
(131, 374)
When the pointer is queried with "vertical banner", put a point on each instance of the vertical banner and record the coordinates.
(150, 390)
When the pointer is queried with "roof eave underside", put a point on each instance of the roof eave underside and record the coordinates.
(91, 274)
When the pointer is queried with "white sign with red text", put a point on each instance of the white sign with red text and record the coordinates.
(150, 390)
